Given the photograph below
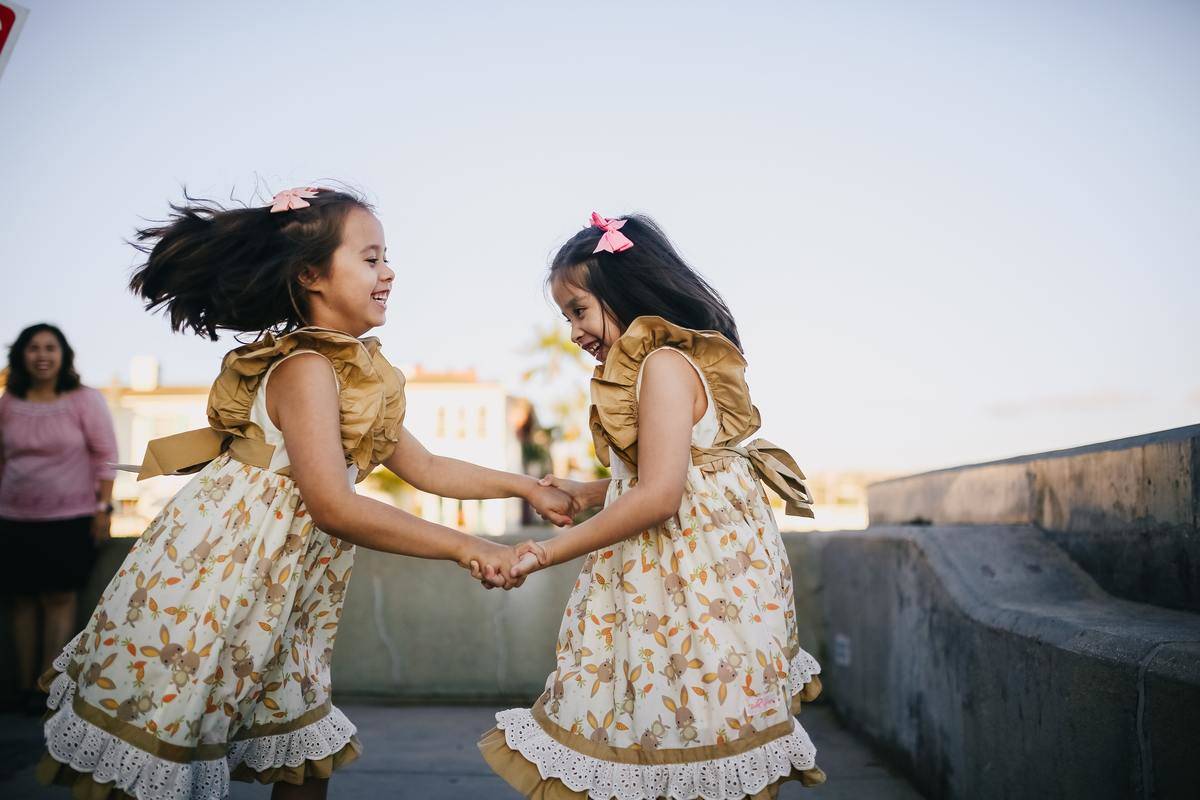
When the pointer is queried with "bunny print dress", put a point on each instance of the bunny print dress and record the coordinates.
(678, 661)
(208, 655)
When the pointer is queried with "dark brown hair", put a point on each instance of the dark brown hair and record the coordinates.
(19, 380)
(651, 278)
(238, 269)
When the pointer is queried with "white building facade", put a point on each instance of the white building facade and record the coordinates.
(452, 414)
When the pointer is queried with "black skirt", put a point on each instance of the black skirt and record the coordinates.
(51, 556)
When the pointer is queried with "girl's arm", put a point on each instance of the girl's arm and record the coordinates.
(302, 399)
(670, 394)
(450, 477)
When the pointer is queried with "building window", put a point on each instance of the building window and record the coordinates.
(482, 432)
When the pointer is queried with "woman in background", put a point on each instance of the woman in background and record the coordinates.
(56, 446)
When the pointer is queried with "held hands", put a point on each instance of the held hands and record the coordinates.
(556, 500)
(552, 503)
(531, 557)
(511, 568)
(491, 564)
(495, 565)
(574, 490)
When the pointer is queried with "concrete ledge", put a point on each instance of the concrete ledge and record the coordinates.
(419, 631)
(423, 630)
(992, 666)
(1127, 511)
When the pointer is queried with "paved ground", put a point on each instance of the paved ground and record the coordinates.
(428, 752)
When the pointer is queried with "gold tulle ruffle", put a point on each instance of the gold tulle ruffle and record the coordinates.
(614, 416)
(614, 412)
(371, 393)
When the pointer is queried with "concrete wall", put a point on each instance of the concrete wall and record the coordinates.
(993, 648)
(990, 659)
(423, 630)
(989, 665)
(410, 630)
(1127, 511)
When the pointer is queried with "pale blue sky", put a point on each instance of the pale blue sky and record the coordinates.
(949, 231)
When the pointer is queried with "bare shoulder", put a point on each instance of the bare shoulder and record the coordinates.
(671, 383)
(304, 379)
(301, 367)
(669, 368)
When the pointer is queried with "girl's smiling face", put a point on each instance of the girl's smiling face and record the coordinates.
(593, 327)
(352, 295)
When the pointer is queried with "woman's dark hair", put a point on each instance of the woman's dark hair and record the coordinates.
(236, 268)
(19, 379)
(650, 278)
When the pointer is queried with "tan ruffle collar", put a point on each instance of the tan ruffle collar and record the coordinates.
(371, 390)
(614, 413)
(371, 393)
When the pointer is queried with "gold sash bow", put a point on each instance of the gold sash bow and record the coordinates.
(188, 452)
(775, 467)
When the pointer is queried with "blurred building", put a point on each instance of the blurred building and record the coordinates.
(839, 501)
(452, 413)
(457, 415)
(142, 411)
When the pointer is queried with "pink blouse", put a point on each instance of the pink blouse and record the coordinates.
(54, 455)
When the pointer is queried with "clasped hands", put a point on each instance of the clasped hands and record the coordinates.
(494, 565)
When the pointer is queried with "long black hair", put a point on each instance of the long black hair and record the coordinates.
(650, 278)
(19, 380)
(239, 268)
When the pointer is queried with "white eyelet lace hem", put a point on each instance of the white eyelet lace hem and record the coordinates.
(63, 659)
(717, 779)
(800, 671)
(82, 746)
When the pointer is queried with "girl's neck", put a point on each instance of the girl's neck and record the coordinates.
(331, 325)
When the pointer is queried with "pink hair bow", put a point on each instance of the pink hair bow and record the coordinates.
(291, 199)
(613, 240)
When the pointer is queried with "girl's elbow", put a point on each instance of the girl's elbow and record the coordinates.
(327, 515)
(664, 504)
(323, 518)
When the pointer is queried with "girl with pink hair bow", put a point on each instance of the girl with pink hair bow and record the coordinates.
(679, 663)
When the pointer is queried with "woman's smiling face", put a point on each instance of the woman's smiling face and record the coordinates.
(43, 357)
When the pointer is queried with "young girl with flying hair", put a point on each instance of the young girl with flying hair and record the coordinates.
(208, 654)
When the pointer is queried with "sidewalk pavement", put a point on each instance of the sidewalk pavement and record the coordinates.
(428, 753)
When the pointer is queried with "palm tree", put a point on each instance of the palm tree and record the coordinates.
(562, 366)
(554, 350)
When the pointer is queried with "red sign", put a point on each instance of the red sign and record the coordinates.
(11, 18)
(8, 21)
